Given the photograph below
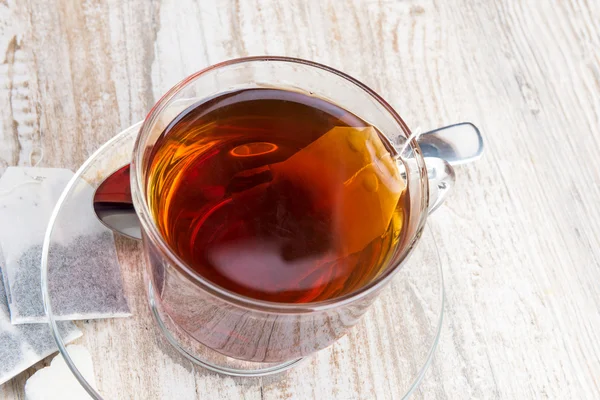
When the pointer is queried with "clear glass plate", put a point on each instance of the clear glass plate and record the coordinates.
(395, 339)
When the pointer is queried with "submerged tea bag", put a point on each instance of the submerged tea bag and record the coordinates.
(21, 346)
(84, 276)
(358, 173)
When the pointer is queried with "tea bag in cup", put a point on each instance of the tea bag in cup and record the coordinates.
(84, 278)
(358, 173)
(21, 346)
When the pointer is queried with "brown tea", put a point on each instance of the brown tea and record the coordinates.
(277, 195)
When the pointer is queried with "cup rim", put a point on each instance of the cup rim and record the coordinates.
(151, 232)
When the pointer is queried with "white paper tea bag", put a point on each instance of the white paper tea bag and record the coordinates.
(21, 346)
(84, 276)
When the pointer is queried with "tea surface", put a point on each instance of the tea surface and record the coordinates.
(277, 195)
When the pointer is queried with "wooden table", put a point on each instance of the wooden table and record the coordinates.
(520, 237)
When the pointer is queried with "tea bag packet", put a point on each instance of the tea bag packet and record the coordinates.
(84, 278)
(21, 346)
(366, 182)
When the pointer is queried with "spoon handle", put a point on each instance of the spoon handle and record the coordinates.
(458, 144)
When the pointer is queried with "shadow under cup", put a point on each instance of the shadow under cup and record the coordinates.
(201, 317)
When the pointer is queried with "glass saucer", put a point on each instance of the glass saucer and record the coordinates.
(392, 345)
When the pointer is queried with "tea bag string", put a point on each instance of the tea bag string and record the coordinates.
(20, 184)
(38, 161)
(414, 135)
(29, 182)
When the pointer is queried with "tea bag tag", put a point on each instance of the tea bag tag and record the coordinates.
(81, 253)
(56, 381)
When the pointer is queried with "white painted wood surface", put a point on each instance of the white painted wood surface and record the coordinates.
(520, 237)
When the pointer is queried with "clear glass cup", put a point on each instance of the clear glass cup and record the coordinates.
(195, 313)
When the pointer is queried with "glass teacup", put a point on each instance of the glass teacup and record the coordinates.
(206, 321)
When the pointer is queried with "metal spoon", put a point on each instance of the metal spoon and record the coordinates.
(456, 144)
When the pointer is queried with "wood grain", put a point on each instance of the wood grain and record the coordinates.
(520, 237)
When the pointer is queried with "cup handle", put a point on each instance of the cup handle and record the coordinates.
(441, 180)
(443, 147)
